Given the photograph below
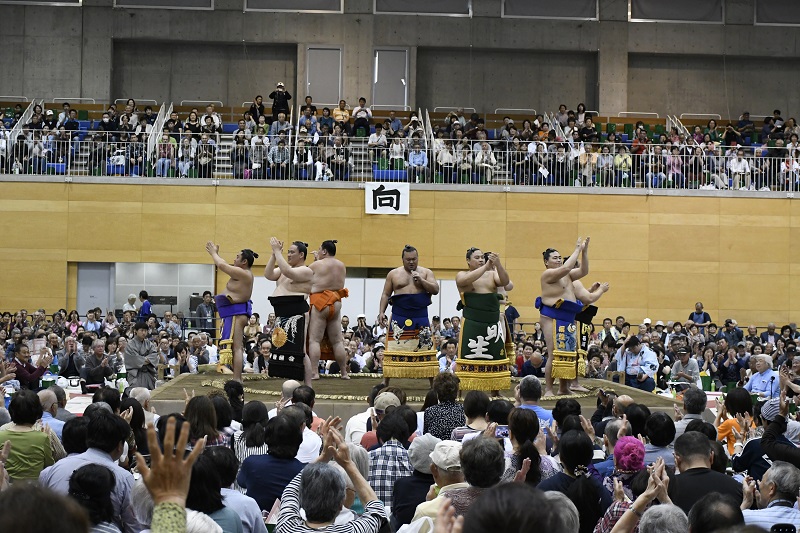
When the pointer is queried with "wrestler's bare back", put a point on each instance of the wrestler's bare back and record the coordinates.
(402, 282)
(329, 274)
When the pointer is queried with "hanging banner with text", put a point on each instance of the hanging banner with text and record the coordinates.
(386, 198)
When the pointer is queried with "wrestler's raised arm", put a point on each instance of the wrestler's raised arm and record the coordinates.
(551, 275)
(583, 269)
(591, 295)
(301, 273)
(426, 280)
(235, 273)
(509, 287)
(501, 278)
(466, 278)
(271, 272)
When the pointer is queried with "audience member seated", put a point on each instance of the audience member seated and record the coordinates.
(693, 461)
(30, 448)
(410, 491)
(266, 476)
(442, 419)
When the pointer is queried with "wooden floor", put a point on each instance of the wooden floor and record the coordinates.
(346, 397)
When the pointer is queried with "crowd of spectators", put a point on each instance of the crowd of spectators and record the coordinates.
(452, 465)
(564, 148)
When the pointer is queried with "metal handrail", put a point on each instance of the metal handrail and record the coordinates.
(16, 131)
(187, 102)
(391, 107)
(507, 109)
(449, 108)
(637, 113)
(138, 101)
(56, 100)
(701, 115)
(15, 98)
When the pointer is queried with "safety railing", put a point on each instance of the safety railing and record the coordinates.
(15, 133)
(700, 115)
(142, 101)
(421, 159)
(637, 114)
(14, 99)
(500, 110)
(61, 99)
(389, 107)
(450, 108)
(202, 102)
(157, 127)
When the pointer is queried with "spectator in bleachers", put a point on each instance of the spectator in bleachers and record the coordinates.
(303, 161)
(337, 159)
(308, 120)
(210, 127)
(362, 116)
(446, 161)
(308, 104)
(622, 166)
(746, 126)
(279, 158)
(204, 157)
(377, 144)
(216, 119)
(279, 125)
(485, 163)
(326, 119)
(193, 125)
(341, 116)
(259, 149)
(49, 119)
(135, 157)
(165, 156)
(186, 156)
(257, 108)
(64, 115)
(241, 126)
(418, 171)
(240, 155)
(280, 100)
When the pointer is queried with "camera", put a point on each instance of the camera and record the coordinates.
(486, 256)
(501, 432)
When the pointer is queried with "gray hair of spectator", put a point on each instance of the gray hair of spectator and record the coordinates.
(347, 481)
(530, 389)
(694, 400)
(360, 458)
(142, 503)
(767, 359)
(48, 398)
(322, 491)
(99, 342)
(567, 515)
(61, 396)
(5, 417)
(612, 430)
(140, 394)
(97, 406)
(483, 462)
(786, 478)
(664, 518)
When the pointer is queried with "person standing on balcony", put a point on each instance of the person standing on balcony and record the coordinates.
(280, 101)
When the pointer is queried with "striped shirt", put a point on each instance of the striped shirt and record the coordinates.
(777, 512)
(290, 521)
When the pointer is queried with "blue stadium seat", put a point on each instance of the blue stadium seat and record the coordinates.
(229, 128)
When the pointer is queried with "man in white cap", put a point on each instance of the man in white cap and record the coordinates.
(411, 491)
(446, 470)
(280, 101)
(383, 401)
(130, 305)
(647, 323)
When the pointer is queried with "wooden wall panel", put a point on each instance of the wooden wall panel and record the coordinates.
(661, 254)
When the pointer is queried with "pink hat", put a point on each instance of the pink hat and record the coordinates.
(629, 454)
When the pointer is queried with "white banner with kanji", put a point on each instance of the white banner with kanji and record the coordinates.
(389, 198)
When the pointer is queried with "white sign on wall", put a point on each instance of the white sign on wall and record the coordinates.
(386, 198)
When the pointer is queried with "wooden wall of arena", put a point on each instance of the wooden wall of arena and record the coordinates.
(659, 253)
